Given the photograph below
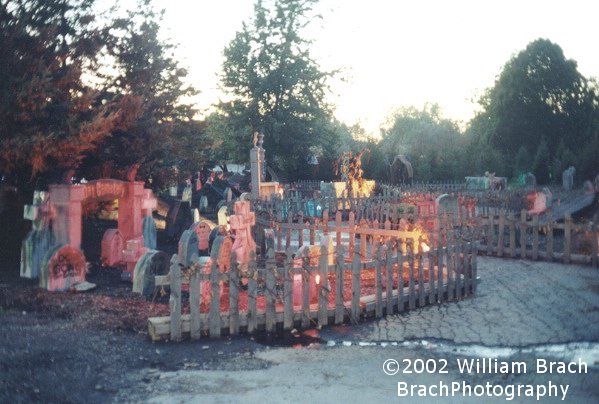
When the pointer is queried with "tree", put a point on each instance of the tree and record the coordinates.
(165, 134)
(431, 143)
(276, 87)
(539, 96)
(49, 117)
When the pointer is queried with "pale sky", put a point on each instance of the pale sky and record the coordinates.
(396, 53)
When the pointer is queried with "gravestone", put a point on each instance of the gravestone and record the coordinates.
(188, 246)
(228, 194)
(214, 233)
(178, 219)
(40, 239)
(446, 204)
(62, 268)
(196, 215)
(186, 195)
(202, 230)
(223, 217)
(149, 232)
(246, 196)
(203, 204)
(151, 264)
(530, 181)
(538, 202)
(268, 241)
(112, 248)
(568, 178)
(588, 187)
(241, 225)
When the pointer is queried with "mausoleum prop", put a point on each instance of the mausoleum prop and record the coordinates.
(52, 250)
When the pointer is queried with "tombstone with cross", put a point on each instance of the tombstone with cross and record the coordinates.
(241, 225)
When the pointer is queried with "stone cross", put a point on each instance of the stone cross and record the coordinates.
(241, 224)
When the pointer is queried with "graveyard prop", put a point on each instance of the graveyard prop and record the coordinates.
(261, 189)
(56, 233)
(400, 171)
(241, 225)
(39, 239)
(151, 264)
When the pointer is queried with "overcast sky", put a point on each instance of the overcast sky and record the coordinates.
(397, 53)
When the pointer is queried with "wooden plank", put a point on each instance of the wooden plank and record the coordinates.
(440, 269)
(270, 292)
(355, 301)
(194, 304)
(474, 267)
(306, 292)
(352, 234)
(400, 283)
(411, 287)
(379, 250)
(288, 291)
(449, 251)
(338, 231)
(501, 229)
(252, 291)
(523, 230)
(468, 257)
(389, 272)
(339, 287)
(323, 292)
(421, 282)
(594, 241)
(535, 237)
(458, 270)
(175, 299)
(490, 235)
(550, 225)
(567, 238)
(512, 224)
(288, 232)
(234, 295)
(431, 275)
(214, 299)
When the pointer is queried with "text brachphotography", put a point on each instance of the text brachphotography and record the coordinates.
(464, 389)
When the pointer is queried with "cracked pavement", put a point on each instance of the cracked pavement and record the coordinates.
(518, 303)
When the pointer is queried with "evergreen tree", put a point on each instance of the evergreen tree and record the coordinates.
(277, 88)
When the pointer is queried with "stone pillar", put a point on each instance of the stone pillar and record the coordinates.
(130, 211)
(255, 171)
(66, 202)
(262, 157)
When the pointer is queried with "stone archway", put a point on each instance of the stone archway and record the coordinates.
(65, 216)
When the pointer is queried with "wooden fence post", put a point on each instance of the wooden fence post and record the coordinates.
(234, 295)
(269, 293)
(288, 290)
(175, 298)
(535, 237)
(550, 235)
(389, 269)
(377, 252)
(194, 302)
(512, 224)
(500, 234)
(323, 286)
(594, 241)
(355, 300)
(400, 282)
(523, 230)
(252, 289)
(411, 287)
(567, 238)
(339, 286)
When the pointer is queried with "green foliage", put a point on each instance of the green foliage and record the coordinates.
(541, 164)
(432, 144)
(541, 104)
(277, 88)
(49, 117)
(165, 134)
